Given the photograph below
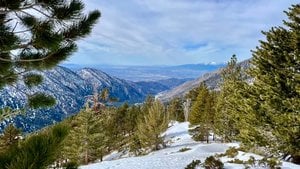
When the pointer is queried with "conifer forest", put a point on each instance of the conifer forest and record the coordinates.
(244, 113)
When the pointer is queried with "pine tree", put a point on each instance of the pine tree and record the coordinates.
(227, 118)
(131, 119)
(10, 137)
(152, 125)
(199, 105)
(175, 110)
(275, 100)
(202, 113)
(37, 151)
(37, 35)
(88, 138)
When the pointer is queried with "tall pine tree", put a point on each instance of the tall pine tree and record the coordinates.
(152, 125)
(227, 116)
(202, 113)
(276, 87)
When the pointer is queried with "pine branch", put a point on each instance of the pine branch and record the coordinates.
(43, 13)
(4, 12)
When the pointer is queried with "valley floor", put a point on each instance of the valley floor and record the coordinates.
(171, 157)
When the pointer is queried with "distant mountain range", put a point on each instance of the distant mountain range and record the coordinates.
(71, 88)
(152, 73)
(211, 79)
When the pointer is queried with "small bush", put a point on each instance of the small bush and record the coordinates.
(272, 163)
(220, 155)
(236, 161)
(184, 149)
(213, 163)
(200, 133)
(251, 161)
(193, 164)
(71, 165)
(231, 152)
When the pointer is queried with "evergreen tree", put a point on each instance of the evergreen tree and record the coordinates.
(152, 125)
(88, 138)
(175, 109)
(37, 35)
(202, 113)
(227, 107)
(9, 138)
(275, 100)
(131, 119)
(199, 105)
(35, 152)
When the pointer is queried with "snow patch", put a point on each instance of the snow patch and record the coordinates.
(177, 137)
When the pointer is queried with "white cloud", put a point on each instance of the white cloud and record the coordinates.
(156, 32)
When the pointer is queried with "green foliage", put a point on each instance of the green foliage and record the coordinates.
(251, 161)
(71, 165)
(94, 132)
(202, 113)
(35, 152)
(9, 138)
(236, 161)
(175, 110)
(274, 100)
(87, 139)
(228, 111)
(184, 149)
(271, 163)
(54, 27)
(152, 125)
(211, 162)
(231, 152)
(41, 100)
(8, 112)
(200, 133)
(135, 145)
(193, 164)
(198, 108)
(32, 79)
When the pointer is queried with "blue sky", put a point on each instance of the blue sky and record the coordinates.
(173, 32)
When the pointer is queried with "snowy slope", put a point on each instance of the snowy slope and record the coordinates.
(178, 138)
(211, 79)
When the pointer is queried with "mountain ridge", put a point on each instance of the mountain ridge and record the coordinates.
(70, 90)
(211, 79)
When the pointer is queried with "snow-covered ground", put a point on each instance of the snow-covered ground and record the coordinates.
(171, 157)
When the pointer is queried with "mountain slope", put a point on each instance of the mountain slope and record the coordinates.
(61, 83)
(118, 88)
(154, 87)
(211, 79)
(171, 157)
(70, 90)
(152, 73)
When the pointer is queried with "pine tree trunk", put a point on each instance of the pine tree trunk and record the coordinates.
(207, 138)
(86, 160)
(296, 159)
